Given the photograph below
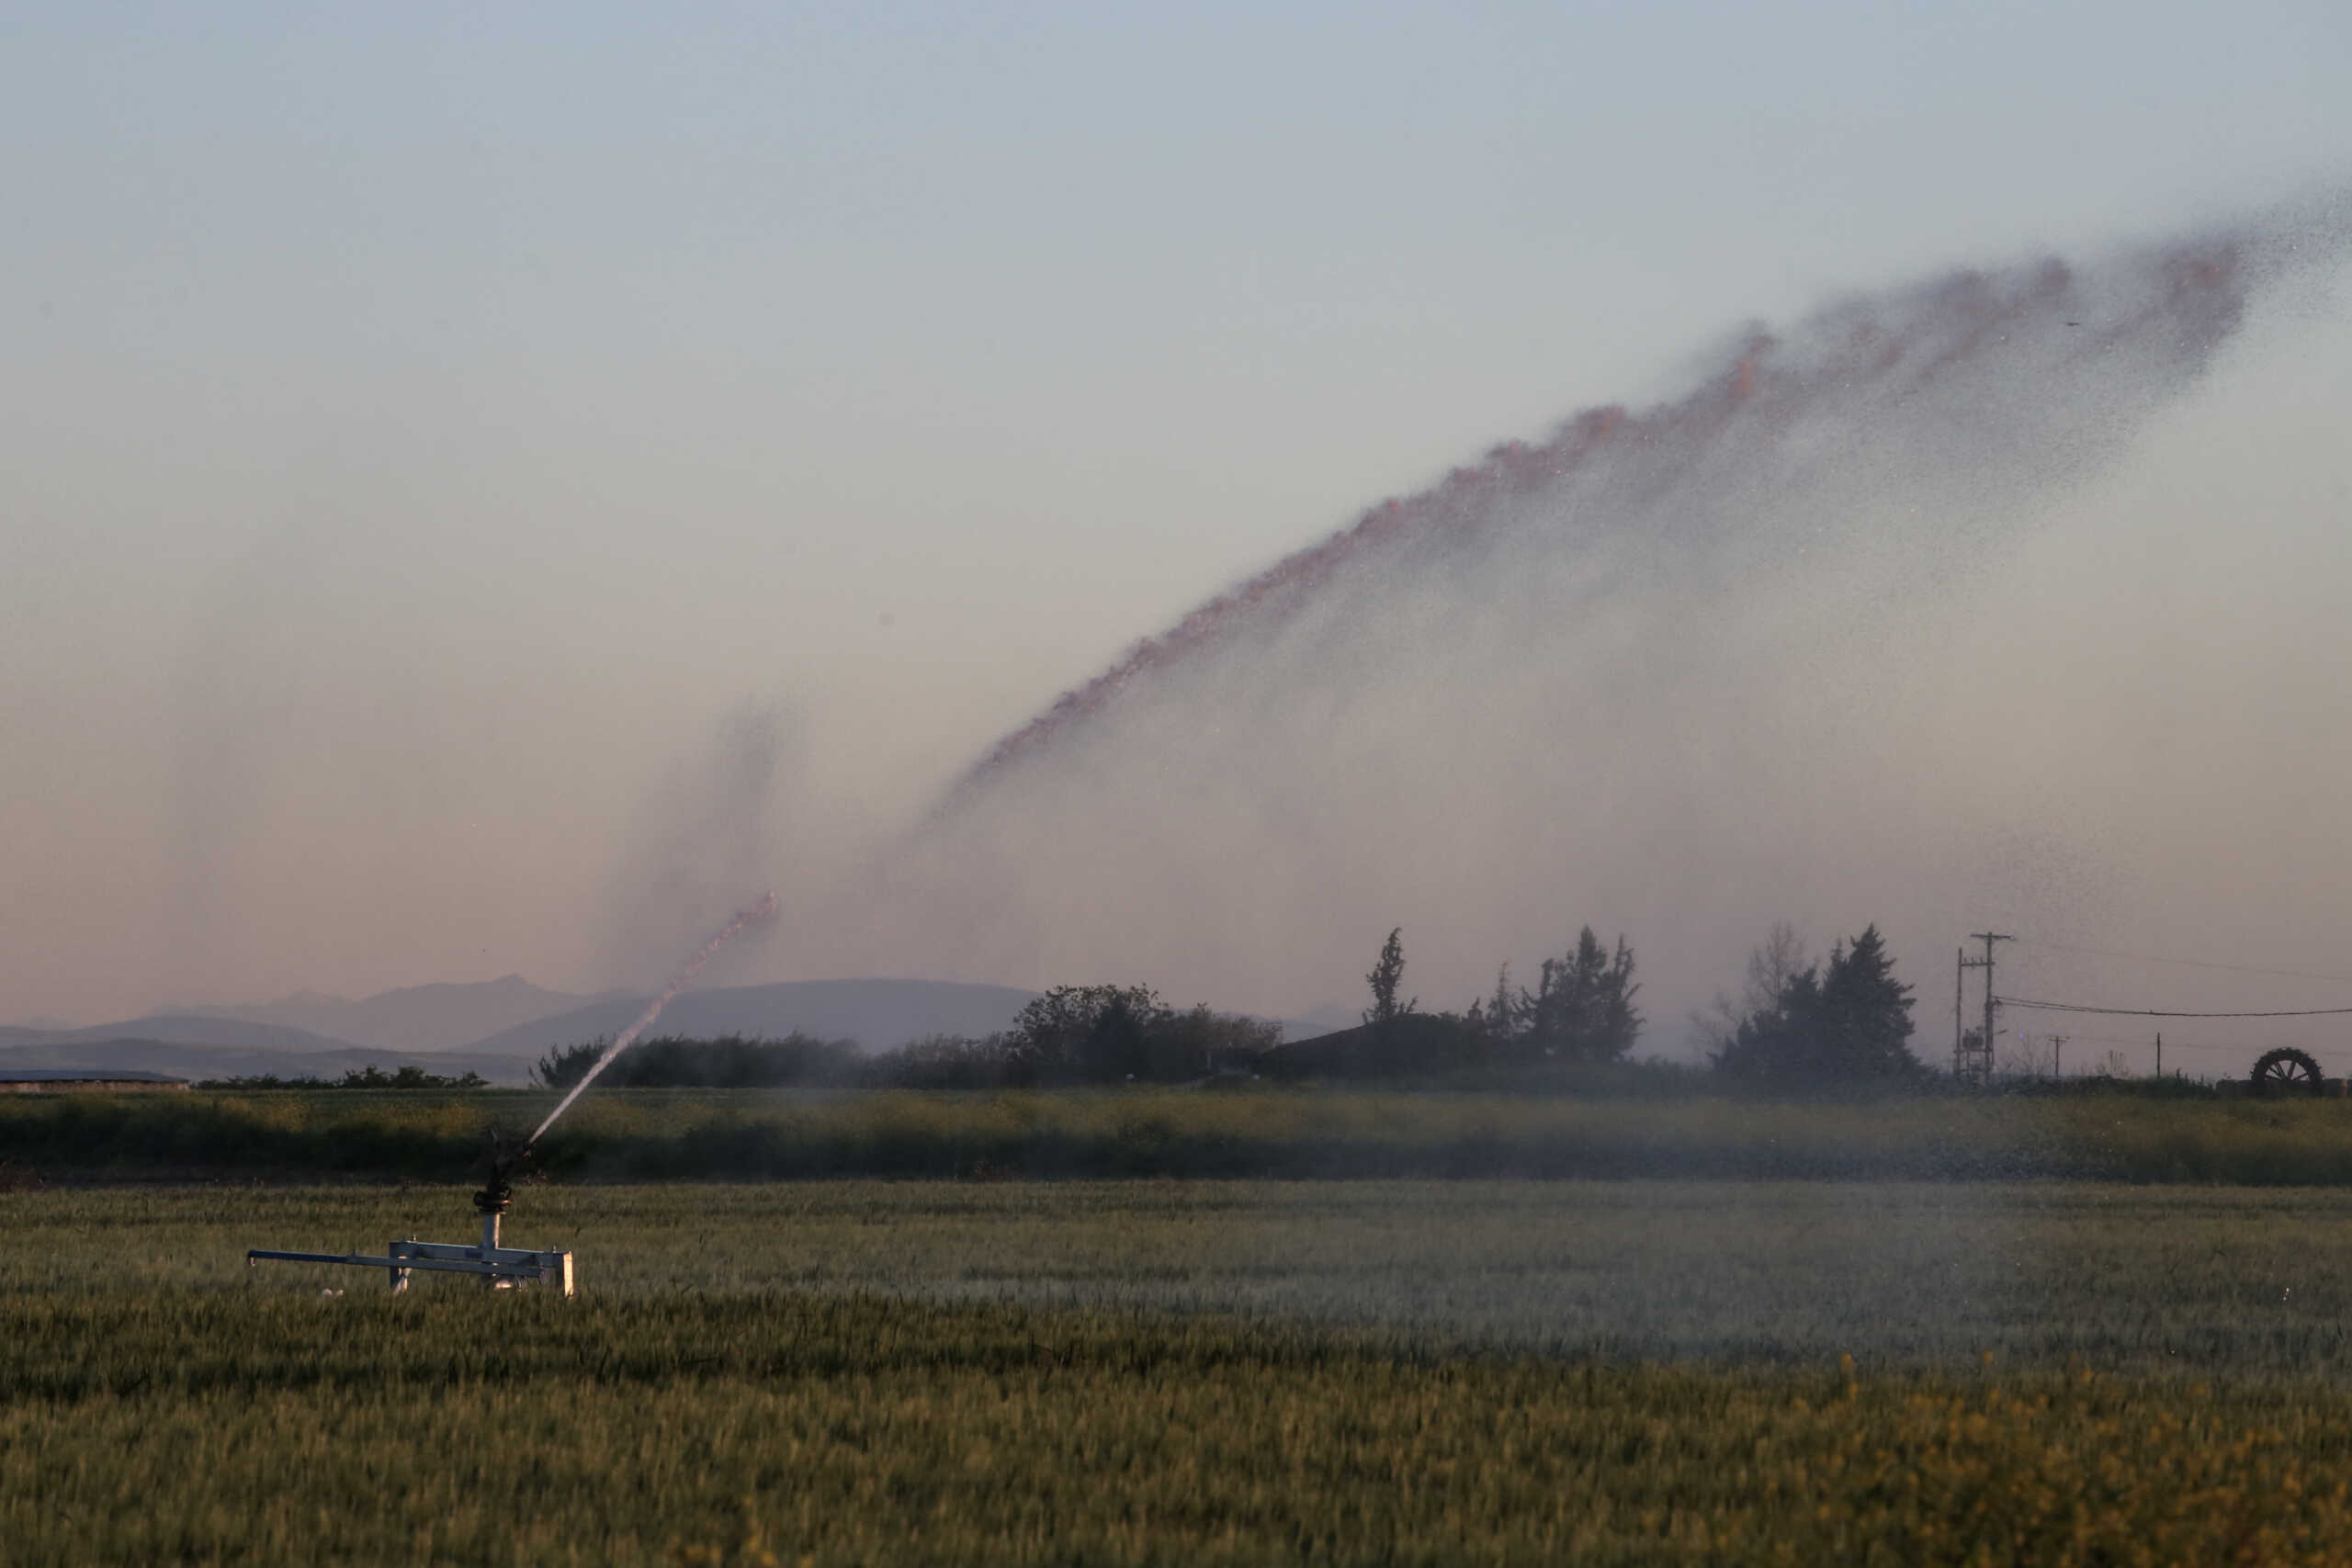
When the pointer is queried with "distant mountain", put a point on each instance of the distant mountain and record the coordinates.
(52, 1075)
(197, 1062)
(1321, 1020)
(181, 1030)
(414, 1017)
(878, 1014)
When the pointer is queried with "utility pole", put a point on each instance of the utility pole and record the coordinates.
(1959, 1030)
(2057, 1045)
(1975, 1065)
(2160, 1053)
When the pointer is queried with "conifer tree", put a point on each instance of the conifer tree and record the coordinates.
(1388, 975)
(1582, 1008)
(1502, 1018)
(1847, 1023)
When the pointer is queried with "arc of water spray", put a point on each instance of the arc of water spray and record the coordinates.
(758, 914)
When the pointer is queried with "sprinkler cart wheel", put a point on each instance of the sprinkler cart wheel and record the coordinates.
(2286, 1071)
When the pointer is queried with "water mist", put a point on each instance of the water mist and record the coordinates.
(1679, 671)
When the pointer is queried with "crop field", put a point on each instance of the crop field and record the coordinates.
(1179, 1371)
(651, 1135)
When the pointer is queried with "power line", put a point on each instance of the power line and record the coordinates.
(2187, 963)
(2170, 1043)
(2165, 1012)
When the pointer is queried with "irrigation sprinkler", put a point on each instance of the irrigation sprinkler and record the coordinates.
(506, 1268)
(500, 1268)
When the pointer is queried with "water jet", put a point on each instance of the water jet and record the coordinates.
(509, 1267)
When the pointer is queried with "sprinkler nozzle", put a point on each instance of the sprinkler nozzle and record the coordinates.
(503, 1158)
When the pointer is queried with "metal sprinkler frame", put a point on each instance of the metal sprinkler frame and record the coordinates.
(500, 1268)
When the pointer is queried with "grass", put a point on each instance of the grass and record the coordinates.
(2250, 1281)
(682, 1134)
(1144, 1372)
(863, 1432)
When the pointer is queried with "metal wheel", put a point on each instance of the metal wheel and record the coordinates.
(2286, 1071)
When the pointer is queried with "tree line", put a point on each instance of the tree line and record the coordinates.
(1072, 1035)
(1797, 1024)
(368, 1077)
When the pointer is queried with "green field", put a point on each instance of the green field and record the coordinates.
(688, 1136)
(1177, 1371)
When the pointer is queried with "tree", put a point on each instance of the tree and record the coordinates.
(1097, 1032)
(1866, 1010)
(1117, 1045)
(1771, 965)
(1582, 1006)
(1193, 1044)
(1388, 975)
(1386, 1049)
(1501, 1015)
(726, 1061)
(1849, 1022)
(1110, 1033)
(1619, 1022)
(564, 1066)
(948, 1061)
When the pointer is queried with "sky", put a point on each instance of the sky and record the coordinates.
(432, 440)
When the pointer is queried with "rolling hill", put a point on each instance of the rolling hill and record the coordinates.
(413, 1018)
(878, 1014)
(181, 1060)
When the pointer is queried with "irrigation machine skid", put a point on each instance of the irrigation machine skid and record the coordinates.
(500, 1268)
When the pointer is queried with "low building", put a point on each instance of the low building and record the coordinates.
(86, 1080)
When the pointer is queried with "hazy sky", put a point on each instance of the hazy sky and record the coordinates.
(423, 428)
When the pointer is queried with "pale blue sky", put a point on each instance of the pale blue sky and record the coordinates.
(417, 424)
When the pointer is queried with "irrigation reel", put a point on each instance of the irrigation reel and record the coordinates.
(2286, 1071)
